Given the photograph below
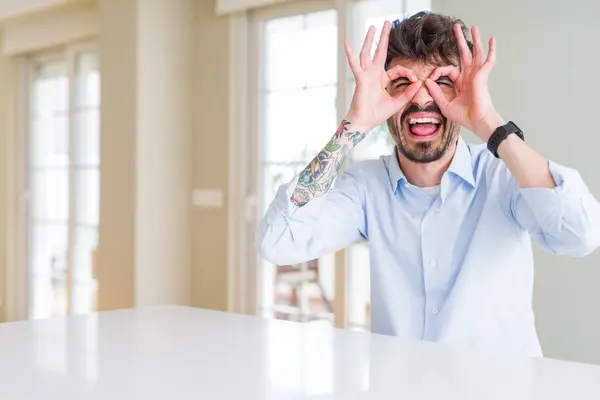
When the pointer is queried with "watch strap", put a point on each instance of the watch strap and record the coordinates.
(502, 133)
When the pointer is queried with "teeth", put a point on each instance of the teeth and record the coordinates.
(412, 121)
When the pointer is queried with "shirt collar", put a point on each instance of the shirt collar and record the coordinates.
(460, 166)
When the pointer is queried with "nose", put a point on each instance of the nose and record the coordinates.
(422, 98)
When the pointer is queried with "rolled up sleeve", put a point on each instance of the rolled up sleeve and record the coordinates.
(288, 234)
(565, 219)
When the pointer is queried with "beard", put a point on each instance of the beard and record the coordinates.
(422, 151)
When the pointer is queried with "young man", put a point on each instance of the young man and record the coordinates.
(448, 223)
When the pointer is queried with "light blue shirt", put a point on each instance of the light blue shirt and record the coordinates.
(456, 267)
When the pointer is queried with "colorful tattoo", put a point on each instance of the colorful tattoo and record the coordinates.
(318, 176)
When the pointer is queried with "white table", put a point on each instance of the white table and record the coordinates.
(184, 353)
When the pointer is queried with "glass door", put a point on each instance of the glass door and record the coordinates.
(298, 115)
(63, 179)
(85, 214)
(378, 142)
(48, 188)
(300, 98)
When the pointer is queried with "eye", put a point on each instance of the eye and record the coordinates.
(401, 84)
(444, 82)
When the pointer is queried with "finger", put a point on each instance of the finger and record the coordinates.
(492, 51)
(491, 57)
(477, 47)
(408, 94)
(437, 94)
(449, 70)
(466, 57)
(351, 61)
(490, 62)
(400, 71)
(382, 47)
(365, 53)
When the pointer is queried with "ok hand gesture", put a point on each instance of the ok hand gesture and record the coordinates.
(472, 107)
(371, 103)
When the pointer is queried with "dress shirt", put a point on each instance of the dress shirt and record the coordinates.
(454, 267)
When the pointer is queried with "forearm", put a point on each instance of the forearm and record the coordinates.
(527, 166)
(563, 216)
(318, 176)
(552, 202)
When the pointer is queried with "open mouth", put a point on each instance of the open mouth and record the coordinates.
(423, 127)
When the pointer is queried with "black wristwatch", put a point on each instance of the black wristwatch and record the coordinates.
(502, 133)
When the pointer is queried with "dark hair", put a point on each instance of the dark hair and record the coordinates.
(426, 37)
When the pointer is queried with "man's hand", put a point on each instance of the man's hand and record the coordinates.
(472, 107)
(371, 103)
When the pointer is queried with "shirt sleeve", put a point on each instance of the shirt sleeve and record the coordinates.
(288, 234)
(565, 219)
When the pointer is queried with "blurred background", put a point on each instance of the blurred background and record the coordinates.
(142, 140)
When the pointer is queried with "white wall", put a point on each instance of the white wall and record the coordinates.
(211, 156)
(19, 8)
(147, 60)
(546, 81)
(118, 88)
(164, 123)
(7, 202)
(30, 30)
(165, 30)
(51, 28)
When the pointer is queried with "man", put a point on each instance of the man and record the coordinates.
(449, 224)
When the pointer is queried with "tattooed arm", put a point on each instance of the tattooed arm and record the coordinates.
(318, 176)
(309, 218)
(371, 106)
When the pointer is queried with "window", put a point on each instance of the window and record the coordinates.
(377, 143)
(298, 94)
(63, 179)
(301, 98)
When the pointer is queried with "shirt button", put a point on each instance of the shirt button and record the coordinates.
(432, 263)
(435, 311)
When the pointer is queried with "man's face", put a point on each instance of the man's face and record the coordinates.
(421, 133)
